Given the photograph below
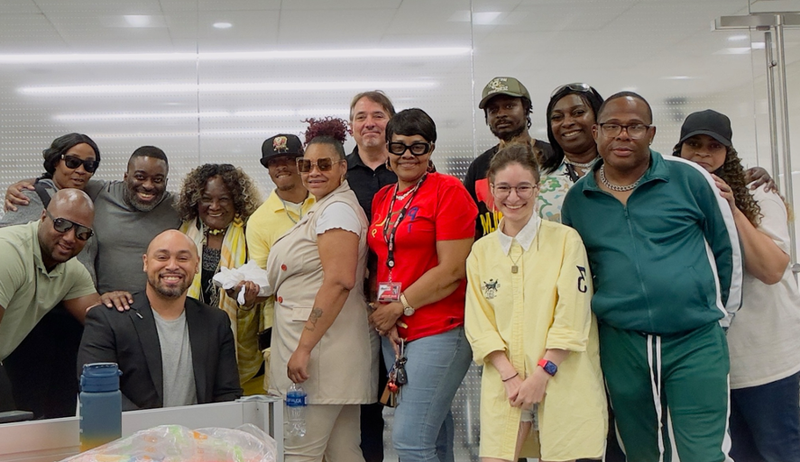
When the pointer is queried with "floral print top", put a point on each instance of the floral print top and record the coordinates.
(553, 188)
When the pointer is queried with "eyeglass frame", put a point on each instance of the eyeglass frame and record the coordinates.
(533, 187)
(407, 147)
(89, 165)
(626, 127)
(79, 228)
(315, 163)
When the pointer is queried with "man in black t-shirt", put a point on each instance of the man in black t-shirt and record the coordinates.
(507, 108)
(370, 111)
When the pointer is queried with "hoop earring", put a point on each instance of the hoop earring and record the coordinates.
(388, 165)
(431, 168)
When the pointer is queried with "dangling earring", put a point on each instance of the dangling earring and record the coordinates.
(431, 167)
(388, 165)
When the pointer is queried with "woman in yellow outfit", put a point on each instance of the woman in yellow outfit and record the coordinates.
(529, 321)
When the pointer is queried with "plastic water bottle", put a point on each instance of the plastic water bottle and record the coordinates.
(100, 405)
(296, 410)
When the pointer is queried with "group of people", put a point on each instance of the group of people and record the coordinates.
(597, 282)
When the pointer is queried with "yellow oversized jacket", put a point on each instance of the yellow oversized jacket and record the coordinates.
(546, 304)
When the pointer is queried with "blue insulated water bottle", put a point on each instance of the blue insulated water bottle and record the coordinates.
(100, 405)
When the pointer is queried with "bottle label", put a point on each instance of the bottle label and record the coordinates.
(295, 400)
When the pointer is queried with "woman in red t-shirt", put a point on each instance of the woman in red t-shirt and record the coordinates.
(421, 278)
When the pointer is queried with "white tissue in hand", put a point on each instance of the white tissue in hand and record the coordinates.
(250, 271)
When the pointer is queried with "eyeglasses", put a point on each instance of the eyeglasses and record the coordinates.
(418, 149)
(75, 162)
(635, 131)
(324, 164)
(62, 225)
(579, 87)
(524, 190)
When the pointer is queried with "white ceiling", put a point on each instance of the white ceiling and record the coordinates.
(664, 49)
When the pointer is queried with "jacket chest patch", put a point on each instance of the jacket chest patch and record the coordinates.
(490, 288)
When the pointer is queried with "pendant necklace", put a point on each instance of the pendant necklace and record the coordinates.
(515, 266)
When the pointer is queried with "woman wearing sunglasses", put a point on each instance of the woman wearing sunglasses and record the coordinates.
(570, 117)
(214, 204)
(50, 389)
(763, 341)
(69, 162)
(529, 320)
(422, 230)
(320, 336)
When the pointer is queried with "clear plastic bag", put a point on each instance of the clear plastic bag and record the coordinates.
(174, 443)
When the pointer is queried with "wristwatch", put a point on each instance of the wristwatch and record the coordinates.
(408, 310)
(548, 366)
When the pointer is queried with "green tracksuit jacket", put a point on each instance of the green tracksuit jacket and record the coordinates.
(667, 262)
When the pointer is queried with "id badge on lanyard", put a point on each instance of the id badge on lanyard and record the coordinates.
(389, 291)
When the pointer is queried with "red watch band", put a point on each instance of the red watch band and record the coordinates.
(548, 366)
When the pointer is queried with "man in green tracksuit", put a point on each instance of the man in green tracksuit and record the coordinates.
(667, 266)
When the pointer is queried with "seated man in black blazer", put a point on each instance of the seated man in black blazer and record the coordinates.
(172, 350)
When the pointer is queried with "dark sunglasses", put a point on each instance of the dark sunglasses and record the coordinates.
(62, 225)
(306, 165)
(75, 162)
(417, 149)
(579, 87)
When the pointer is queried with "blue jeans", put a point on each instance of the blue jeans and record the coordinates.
(765, 422)
(423, 425)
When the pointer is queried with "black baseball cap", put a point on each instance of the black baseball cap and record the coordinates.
(281, 145)
(708, 122)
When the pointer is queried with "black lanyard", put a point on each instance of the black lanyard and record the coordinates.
(572, 174)
(390, 229)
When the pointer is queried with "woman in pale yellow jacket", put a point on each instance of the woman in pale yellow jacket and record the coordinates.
(529, 321)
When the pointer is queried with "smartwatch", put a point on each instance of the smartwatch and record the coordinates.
(408, 310)
(548, 366)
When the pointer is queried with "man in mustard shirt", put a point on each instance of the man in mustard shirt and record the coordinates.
(283, 208)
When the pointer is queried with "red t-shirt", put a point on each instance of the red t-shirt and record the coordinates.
(442, 210)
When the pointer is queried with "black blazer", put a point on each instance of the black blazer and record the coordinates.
(130, 339)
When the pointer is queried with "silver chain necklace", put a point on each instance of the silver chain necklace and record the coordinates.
(286, 208)
(614, 187)
(584, 166)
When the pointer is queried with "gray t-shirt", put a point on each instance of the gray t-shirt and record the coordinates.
(33, 212)
(123, 234)
(176, 361)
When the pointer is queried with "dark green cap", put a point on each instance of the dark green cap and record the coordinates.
(503, 86)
